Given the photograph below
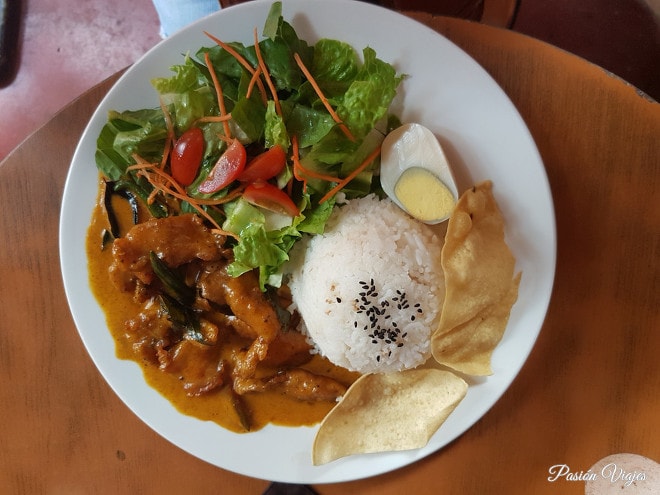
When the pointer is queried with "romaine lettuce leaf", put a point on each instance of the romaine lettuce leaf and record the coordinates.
(368, 97)
(360, 91)
(334, 67)
(142, 132)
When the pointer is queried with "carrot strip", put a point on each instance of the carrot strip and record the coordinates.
(241, 60)
(264, 70)
(225, 199)
(212, 118)
(165, 183)
(152, 196)
(301, 173)
(295, 158)
(372, 156)
(192, 202)
(218, 92)
(171, 137)
(199, 201)
(316, 175)
(253, 81)
(140, 166)
(300, 169)
(322, 97)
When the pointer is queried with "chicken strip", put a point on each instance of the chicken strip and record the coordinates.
(297, 383)
(175, 239)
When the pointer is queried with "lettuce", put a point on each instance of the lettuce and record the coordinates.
(359, 89)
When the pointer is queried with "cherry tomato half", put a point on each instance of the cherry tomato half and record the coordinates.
(268, 196)
(186, 156)
(228, 167)
(264, 166)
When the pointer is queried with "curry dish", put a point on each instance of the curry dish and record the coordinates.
(216, 346)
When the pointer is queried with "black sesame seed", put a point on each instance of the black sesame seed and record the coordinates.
(378, 313)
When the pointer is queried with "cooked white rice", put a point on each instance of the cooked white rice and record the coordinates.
(369, 289)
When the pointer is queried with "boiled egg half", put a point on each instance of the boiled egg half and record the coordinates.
(415, 174)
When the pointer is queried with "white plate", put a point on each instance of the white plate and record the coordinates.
(485, 138)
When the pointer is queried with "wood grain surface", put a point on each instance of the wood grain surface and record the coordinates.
(590, 388)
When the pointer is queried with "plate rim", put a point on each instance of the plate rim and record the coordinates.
(336, 472)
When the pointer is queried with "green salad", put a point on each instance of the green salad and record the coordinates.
(256, 139)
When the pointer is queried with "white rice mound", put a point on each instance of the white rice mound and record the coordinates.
(370, 289)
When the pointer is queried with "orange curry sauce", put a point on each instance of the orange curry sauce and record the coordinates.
(266, 407)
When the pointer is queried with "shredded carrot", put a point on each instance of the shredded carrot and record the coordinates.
(322, 97)
(264, 70)
(180, 193)
(141, 163)
(218, 91)
(171, 137)
(143, 167)
(165, 183)
(300, 172)
(372, 156)
(253, 81)
(295, 158)
(316, 175)
(212, 118)
(235, 193)
(241, 60)
(193, 203)
(152, 196)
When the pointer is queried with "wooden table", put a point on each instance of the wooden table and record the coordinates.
(590, 388)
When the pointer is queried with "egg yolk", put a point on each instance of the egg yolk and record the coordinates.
(423, 195)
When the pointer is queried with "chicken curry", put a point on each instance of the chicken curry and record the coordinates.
(216, 346)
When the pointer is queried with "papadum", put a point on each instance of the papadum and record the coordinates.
(480, 284)
(388, 412)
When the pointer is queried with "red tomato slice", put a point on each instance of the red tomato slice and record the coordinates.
(186, 156)
(268, 196)
(228, 167)
(265, 166)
